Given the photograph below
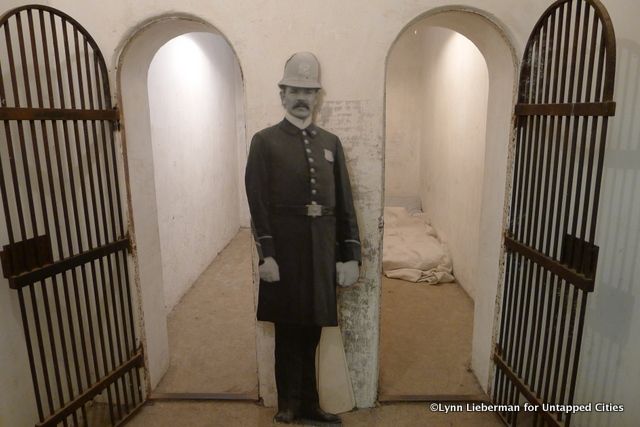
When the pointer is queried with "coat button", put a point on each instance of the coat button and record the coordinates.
(304, 132)
(312, 170)
(313, 180)
(306, 141)
(308, 151)
(310, 159)
(314, 191)
(313, 202)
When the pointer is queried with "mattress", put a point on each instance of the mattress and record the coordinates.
(412, 250)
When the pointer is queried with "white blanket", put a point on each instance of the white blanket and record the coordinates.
(412, 250)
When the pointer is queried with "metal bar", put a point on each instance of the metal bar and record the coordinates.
(569, 351)
(606, 108)
(505, 321)
(40, 341)
(114, 165)
(65, 283)
(555, 267)
(579, 255)
(576, 357)
(610, 61)
(546, 208)
(576, 91)
(118, 198)
(136, 360)
(45, 214)
(63, 265)
(548, 32)
(71, 179)
(565, 96)
(529, 207)
(512, 348)
(564, 24)
(501, 385)
(129, 345)
(526, 392)
(86, 196)
(542, 274)
(546, 289)
(94, 203)
(560, 342)
(557, 285)
(567, 203)
(14, 113)
(131, 414)
(12, 156)
(577, 258)
(598, 183)
(21, 135)
(596, 192)
(65, 130)
(100, 191)
(34, 224)
(514, 221)
(512, 301)
(87, 225)
(7, 214)
(30, 352)
(519, 308)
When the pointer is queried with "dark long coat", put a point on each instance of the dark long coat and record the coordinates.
(289, 167)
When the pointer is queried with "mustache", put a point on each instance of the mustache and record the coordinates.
(301, 104)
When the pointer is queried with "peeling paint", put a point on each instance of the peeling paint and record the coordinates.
(358, 306)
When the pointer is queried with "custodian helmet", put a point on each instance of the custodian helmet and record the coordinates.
(302, 70)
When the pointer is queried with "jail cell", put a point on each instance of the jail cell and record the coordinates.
(64, 210)
(182, 103)
(448, 95)
(564, 102)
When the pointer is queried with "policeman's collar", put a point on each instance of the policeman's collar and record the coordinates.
(287, 126)
(297, 122)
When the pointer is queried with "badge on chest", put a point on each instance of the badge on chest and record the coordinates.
(328, 155)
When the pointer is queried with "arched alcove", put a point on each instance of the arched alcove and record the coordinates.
(169, 152)
(482, 263)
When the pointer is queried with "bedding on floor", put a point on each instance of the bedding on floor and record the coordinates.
(412, 250)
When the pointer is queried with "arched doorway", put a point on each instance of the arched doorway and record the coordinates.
(181, 92)
(449, 98)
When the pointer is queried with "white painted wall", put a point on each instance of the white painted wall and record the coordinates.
(405, 107)
(17, 400)
(609, 370)
(192, 106)
(352, 46)
(437, 88)
(453, 147)
(134, 100)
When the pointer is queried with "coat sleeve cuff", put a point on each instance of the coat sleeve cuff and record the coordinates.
(350, 251)
(265, 247)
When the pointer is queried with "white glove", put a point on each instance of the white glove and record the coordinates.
(347, 272)
(269, 271)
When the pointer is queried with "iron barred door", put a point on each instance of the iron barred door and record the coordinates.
(564, 102)
(67, 242)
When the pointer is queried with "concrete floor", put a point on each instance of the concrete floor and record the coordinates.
(425, 339)
(434, 361)
(212, 331)
(240, 414)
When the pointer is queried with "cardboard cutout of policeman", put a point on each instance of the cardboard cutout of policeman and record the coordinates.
(306, 233)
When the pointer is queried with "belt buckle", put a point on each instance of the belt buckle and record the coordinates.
(314, 210)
